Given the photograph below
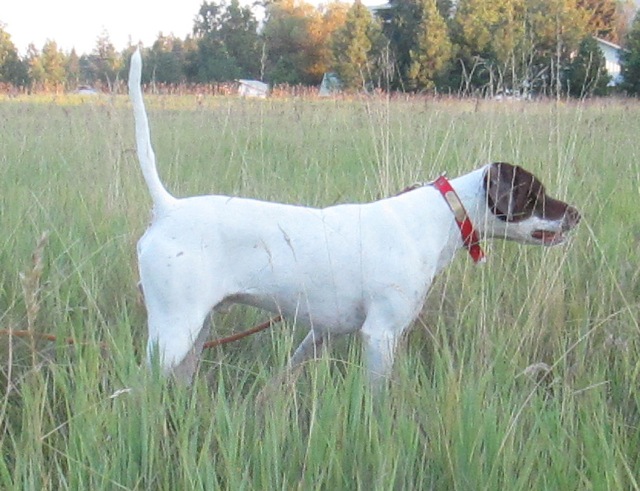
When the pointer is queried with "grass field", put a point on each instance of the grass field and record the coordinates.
(520, 374)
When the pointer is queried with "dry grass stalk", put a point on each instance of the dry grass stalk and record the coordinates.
(31, 286)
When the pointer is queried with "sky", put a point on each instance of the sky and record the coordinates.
(78, 23)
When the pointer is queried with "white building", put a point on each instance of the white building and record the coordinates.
(252, 88)
(611, 54)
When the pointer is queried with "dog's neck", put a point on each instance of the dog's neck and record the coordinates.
(471, 191)
(470, 237)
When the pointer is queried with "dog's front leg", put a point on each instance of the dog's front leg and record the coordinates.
(308, 349)
(380, 334)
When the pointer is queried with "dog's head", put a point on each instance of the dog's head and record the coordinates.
(522, 209)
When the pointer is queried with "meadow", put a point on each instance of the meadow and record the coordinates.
(520, 374)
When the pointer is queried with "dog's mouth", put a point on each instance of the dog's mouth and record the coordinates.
(547, 237)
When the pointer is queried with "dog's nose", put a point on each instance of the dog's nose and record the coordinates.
(571, 217)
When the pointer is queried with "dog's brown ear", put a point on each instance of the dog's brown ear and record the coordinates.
(512, 192)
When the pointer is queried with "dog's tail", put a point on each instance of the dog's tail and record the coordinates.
(160, 196)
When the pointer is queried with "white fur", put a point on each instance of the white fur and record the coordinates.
(348, 268)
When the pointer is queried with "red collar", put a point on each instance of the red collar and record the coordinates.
(469, 235)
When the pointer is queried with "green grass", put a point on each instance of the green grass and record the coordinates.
(464, 410)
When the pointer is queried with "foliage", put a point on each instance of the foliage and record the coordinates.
(630, 59)
(401, 25)
(47, 69)
(516, 45)
(333, 17)
(292, 54)
(72, 67)
(227, 43)
(433, 52)
(467, 47)
(357, 48)
(587, 74)
(601, 18)
(12, 70)
(105, 60)
(167, 60)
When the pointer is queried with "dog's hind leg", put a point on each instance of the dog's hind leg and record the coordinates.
(185, 370)
(308, 349)
(176, 340)
(177, 311)
(179, 291)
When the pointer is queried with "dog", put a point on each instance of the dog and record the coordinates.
(347, 268)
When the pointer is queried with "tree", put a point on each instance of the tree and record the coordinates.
(227, 42)
(105, 60)
(630, 59)
(555, 29)
(433, 51)
(491, 37)
(47, 68)
(34, 62)
(356, 47)
(625, 10)
(350, 46)
(72, 67)
(291, 48)
(53, 62)
(587, 74)
(12, 69)
(322, 28)
(166, 60)
(400, 25)
(601, 17)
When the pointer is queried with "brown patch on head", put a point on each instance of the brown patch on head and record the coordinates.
(513, 195)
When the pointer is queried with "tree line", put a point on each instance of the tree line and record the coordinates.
(484, 47)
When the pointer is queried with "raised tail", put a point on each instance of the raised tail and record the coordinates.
(160, 196)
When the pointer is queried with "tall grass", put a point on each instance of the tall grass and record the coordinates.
(519, 374)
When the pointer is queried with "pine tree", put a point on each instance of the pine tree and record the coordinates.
(630, 59)
(53, 63)
(356, 47)
(401, 25)
(587, 74)
(434, 50)
(491, 42)
(105, 60)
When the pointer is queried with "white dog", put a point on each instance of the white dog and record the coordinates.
(348, 268)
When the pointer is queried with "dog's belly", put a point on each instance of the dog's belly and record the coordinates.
(326, 269)
(321, 314)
